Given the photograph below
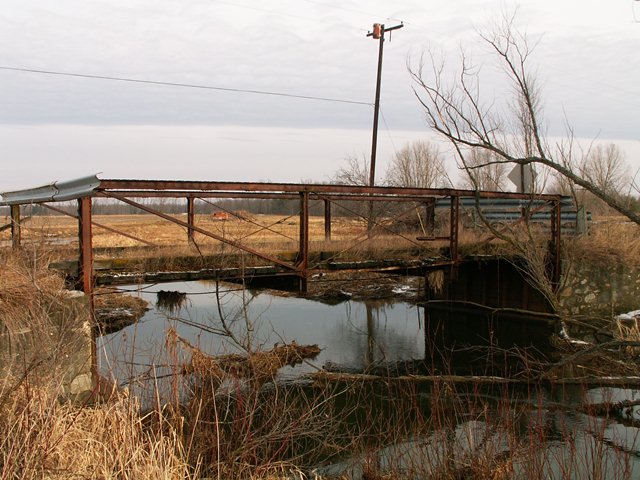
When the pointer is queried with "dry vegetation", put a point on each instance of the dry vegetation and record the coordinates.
(609, 239)
(236, 422)
(254, 227)
(272, 235)
(276, 233)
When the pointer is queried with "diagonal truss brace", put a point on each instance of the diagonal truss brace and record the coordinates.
(202, 231)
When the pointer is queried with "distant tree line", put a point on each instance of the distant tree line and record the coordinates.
(176, 206)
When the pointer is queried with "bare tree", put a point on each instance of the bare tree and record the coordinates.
(489, 174)
(606, 168)
(419, 165)
(458, 112)
(355, 172)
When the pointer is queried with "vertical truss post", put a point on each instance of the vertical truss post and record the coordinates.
(15, 227)
(85, 238)
(327, 219)
(430, 217)
(303, 254)
(555, 253)
(191, 216)
(86, 246)
(453, 235)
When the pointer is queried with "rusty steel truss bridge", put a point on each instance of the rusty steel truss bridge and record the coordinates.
(549, 209)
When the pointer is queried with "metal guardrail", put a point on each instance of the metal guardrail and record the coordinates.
(54, 192)
(501, 203)
(570, 216)
(572, 221)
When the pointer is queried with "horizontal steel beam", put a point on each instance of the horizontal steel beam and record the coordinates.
(92, 186)
(258, 195)
(503, 202)
(195, 186)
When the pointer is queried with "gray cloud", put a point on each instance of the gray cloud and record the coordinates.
(585, 60)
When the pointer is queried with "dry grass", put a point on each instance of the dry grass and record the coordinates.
(609, 240)
(273, 235)
(30, 298)
(264, 228)
(258, 367)
(268, 233)
(43, 438)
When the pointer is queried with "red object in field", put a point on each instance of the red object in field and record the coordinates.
(220, 216)
(377, 30)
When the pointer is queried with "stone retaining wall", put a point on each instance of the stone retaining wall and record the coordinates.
(594, 288)
(61, 350)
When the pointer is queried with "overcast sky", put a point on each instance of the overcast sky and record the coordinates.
(60, 127)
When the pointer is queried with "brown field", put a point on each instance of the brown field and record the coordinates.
(268, 233)
(270, 228)
(277, 234)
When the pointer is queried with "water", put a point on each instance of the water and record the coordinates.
(545, 442)
(352, 334)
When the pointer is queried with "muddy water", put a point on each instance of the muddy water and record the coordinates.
(356, 336)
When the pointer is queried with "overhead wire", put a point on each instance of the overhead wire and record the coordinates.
(183, 85)
(386, 126)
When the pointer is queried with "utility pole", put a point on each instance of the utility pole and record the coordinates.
(377, 34)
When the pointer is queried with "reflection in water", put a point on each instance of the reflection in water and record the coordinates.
(170, 301)
(226, 319)
(372, 333)
(484, 431)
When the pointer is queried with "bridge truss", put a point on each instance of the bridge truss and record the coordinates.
(136, 193)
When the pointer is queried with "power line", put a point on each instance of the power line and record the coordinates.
(386, 126)
(184, 85)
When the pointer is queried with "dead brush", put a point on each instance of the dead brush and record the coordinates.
(607, 241)
(30, 295)
(258, 366)
(240, 422)
(43, 438)
(628, 330)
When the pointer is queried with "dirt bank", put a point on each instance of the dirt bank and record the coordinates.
(336, 287)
